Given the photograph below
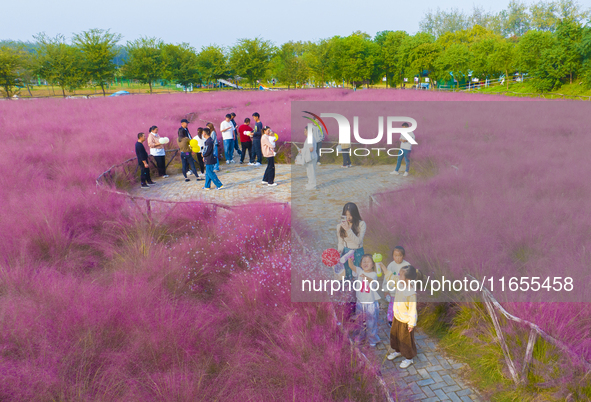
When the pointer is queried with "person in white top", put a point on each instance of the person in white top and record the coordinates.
(391, 277)
(310, 157)
(157, 151)
(405, 146)
(227, 129)
(367, 307)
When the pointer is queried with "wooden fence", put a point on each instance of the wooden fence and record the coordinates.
(492, 306)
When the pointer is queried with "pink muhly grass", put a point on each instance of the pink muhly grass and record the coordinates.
(509, 199)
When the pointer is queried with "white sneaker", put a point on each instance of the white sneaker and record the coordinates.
(395, 173)
(165, 176)
(250, 164)
(394, 355)
(405, 363)
(264, 182)
(405, 174)
(257, 164)
(318, 163)
(272, 185)
(189, 173)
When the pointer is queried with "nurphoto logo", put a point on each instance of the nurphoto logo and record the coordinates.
(345, 132)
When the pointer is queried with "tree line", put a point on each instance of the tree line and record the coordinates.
(549, 41)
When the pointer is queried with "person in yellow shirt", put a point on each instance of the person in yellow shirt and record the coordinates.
(402, 337)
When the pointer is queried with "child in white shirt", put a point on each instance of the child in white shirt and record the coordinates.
(391, 277)
(367, 307)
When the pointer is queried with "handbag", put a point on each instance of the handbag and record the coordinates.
(299, 160)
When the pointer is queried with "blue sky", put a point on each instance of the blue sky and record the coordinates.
(206, 22)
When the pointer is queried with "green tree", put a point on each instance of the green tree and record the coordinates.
(59, 63)
(569, 35)
(182, 65)
(357, 58)
(517, 19)
(290, 65)
(145, 60)
(481, 51)
(392, 57)
(318, 61)
(530, 48)
(440, 21)
(98, 49)
(213, 63)
(250, 58)
(543, 15)
(424, 57)
(12, 61)
(455, 60)
(550, 69)
(585, 52)
(503, 58)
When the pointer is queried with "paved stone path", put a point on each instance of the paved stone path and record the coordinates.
(432, 377)
(242, 183)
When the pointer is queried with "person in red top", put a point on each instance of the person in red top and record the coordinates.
(246, 141)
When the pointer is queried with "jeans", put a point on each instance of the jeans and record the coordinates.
(368, 312)
(269, 176)
(247, 146)
(187, 161)
(211, 176)
(318, 146)
(161, 163)
(257, 150)
(229, 150)
(236, 144)
(356, 261)
(216, 153)
(406, 156)
(145, 174)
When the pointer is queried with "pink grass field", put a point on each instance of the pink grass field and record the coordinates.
(98, 304)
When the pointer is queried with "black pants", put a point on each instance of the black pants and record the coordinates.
(201, 164)
(145, 176)
(346, 158)
(247, 146)
(188, 160)
(257, 150)
(269, 176)
(161, 163)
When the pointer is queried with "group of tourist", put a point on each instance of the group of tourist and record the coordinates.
(364, 303)
(256, 140)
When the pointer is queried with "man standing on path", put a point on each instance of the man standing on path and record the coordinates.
(236, 148)
(142, 160)
(246, 142)
(405, 146)
(257, 133)
(184, 132)
(210, 161)
(310, 157)
(227, 130)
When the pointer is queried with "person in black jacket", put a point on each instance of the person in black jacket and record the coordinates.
(184, 130)
(210, 161)
(142, 160)
(257, 133)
